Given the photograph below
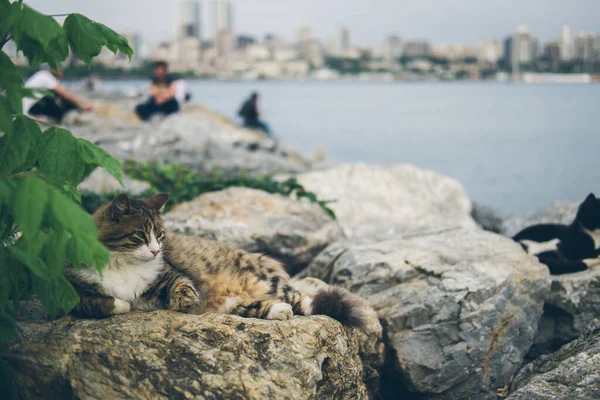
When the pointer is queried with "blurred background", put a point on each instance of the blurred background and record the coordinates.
(502, 96)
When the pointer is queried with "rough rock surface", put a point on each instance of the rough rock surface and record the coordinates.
(459, 307)
(100, 181)
(562, 212)
(163, 355)
(292, 231)
(371, 199)
(488, 218)
(573, 302)
(572, 373)
(196, 137)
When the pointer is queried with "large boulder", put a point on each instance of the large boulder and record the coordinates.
(195, 137)
(371, 199)
(562, 212)
(100, 181)
(460, 307)
(164, 355)
(569, 374)
(290, 230)
(572, 303)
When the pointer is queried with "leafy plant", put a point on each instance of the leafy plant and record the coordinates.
(42, 225)
(184, 185)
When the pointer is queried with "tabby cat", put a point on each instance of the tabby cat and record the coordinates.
(150, 270)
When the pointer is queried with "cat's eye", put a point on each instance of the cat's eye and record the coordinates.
(160, 237)
(140, 234)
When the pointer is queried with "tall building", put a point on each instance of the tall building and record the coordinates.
(524, 49)
(341, 41)
(567, 46)
(392, 49)
(304, 34)
(490, 51)
(223, 16)
(189, 20)
(416, 48)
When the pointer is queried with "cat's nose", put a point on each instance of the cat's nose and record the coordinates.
(155, 252)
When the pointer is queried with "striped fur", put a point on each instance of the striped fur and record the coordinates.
(196, 275)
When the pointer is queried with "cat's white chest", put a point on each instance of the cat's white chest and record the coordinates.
(127, 282)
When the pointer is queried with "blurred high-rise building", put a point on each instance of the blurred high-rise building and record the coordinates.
(416, 48)
(392, 49)
(223, 16)
(567, 46)
(189, 20)
(490, 51)
(304, 34)
(522, 49)
(341, 41)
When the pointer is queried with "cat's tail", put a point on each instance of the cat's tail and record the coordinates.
(541, 233)
(319, 298)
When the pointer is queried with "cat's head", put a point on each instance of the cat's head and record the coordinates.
(133, 228)
(588, 214)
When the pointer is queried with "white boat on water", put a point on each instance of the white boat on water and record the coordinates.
(557, 78)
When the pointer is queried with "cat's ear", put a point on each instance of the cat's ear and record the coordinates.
(120, 205)
(591, 199)
(158, 201)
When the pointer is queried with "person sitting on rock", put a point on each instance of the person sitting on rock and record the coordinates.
(163, 94)
(250, 114)
(51, 106)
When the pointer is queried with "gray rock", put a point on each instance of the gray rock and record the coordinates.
(195, 137)
(100, 181)
(162, 355)
(369, 340)
(562, 212)
(370, 199)
(487, 218)
(290, 230)
(573, 302)
(569, 374)
(460, 307)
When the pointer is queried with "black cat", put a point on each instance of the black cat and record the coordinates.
(566, 248)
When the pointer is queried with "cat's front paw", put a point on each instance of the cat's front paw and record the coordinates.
(281, 312)
(184, 299)
(121, 307)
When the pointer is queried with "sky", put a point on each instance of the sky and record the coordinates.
(369, 21)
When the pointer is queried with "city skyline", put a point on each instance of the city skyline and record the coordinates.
(369, 22)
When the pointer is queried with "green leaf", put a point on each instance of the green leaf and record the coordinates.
(37, 26)
(88, 252)
(7, 377)
(30, 204)
(16, 146)
(56, 294)
(40, 38)
(70, 216)
(8, 329)
(9, 13)
(83, 37)
(113, 41)
(31, 261)
(87, 37)
(9, 76)
(23, 125)
(94, 155)
(5, 116)
(59, 158)
(55, 252)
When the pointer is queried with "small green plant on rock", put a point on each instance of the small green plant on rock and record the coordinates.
(42, 225)
(184, 185)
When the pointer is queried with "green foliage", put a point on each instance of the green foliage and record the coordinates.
(184, 185)
(87, 37)
(42, 226)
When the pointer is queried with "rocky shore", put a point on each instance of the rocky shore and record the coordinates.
(457, 309)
